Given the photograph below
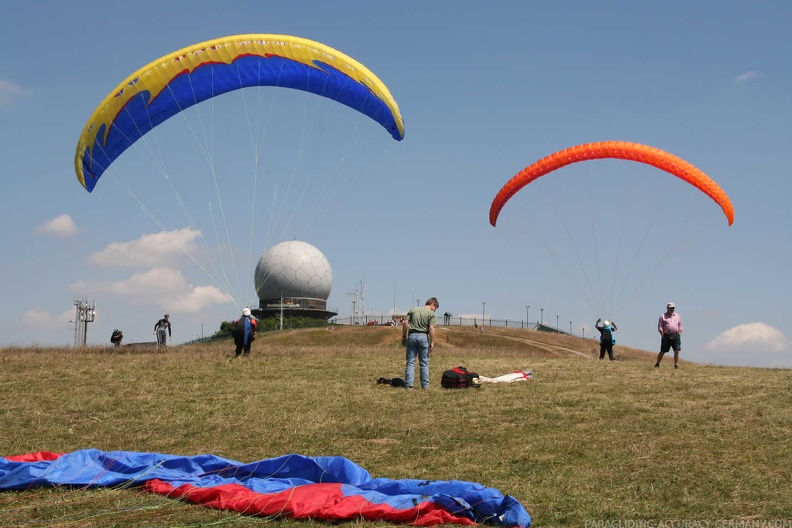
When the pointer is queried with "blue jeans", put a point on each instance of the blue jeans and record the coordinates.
(417, 346)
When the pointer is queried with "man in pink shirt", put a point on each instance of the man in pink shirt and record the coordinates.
(670, 328)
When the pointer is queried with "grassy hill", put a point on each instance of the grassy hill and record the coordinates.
(585, 441)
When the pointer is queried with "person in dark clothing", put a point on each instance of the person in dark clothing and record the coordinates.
(160, 328)
(117, 337)
(244, 333)
(606, 337)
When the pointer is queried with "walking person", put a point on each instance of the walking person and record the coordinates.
(670, 327)
(162, 327)
(606, 337)
(245, 332)
(418, 336)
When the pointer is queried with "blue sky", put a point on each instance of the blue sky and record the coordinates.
(485, 90)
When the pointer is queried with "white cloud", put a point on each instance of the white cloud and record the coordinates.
(39, 327)
(36, 320)
(753, 337)
(157, 249)
(198, 299)
(747, 76)
(165, 288)
(9, 91)
(61, 226)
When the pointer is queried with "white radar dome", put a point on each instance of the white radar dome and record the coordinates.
(293, 269)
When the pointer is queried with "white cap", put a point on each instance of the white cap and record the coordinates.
(606, 322)
(670, 305)
(246, 311)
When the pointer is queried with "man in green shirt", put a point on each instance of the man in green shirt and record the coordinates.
(418, 335)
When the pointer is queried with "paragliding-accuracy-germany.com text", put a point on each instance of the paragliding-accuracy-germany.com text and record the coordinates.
(684, 523)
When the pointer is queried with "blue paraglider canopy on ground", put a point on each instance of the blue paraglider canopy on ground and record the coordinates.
(329, 488)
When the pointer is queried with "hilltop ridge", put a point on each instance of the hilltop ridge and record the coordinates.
(532, 343)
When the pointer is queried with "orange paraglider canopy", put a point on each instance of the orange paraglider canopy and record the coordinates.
(616, 150)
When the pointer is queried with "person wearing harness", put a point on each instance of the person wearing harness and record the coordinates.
(116, 337)
(670, 327)
(160, 328)
(606, 337)
(244, 333)
(418, 336)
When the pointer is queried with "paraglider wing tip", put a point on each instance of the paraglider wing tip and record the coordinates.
(82, 181)
(728, 210)
(89, 183)
(397, 133)
(493, 214)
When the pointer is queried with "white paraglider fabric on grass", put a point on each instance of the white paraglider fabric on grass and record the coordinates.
(517, 375)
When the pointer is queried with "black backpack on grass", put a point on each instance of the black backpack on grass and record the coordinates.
(393, 382)
(459, 378)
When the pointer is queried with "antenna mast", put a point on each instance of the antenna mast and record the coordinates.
(358, 302)
(84, 313)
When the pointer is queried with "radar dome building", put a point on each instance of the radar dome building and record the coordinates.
(294, 276)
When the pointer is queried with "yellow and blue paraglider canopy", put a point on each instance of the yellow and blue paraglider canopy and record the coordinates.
(194, 74)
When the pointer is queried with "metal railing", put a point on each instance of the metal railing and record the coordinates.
(476, 322)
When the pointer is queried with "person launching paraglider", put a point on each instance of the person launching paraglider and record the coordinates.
(606, 337)
(670, 327)
(244, 333)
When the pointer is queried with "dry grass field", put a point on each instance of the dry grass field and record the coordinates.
(585, 441)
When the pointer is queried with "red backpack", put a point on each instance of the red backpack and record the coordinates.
(459, 378)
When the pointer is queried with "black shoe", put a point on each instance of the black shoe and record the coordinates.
(657, 365)
(676, 366)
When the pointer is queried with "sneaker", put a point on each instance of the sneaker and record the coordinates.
(657, 365)
(676, 366)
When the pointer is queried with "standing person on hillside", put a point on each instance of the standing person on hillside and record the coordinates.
(670, 327)
(606, 337)
(418, 335)
(116, 337)
(160, 328)
(244, 333)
